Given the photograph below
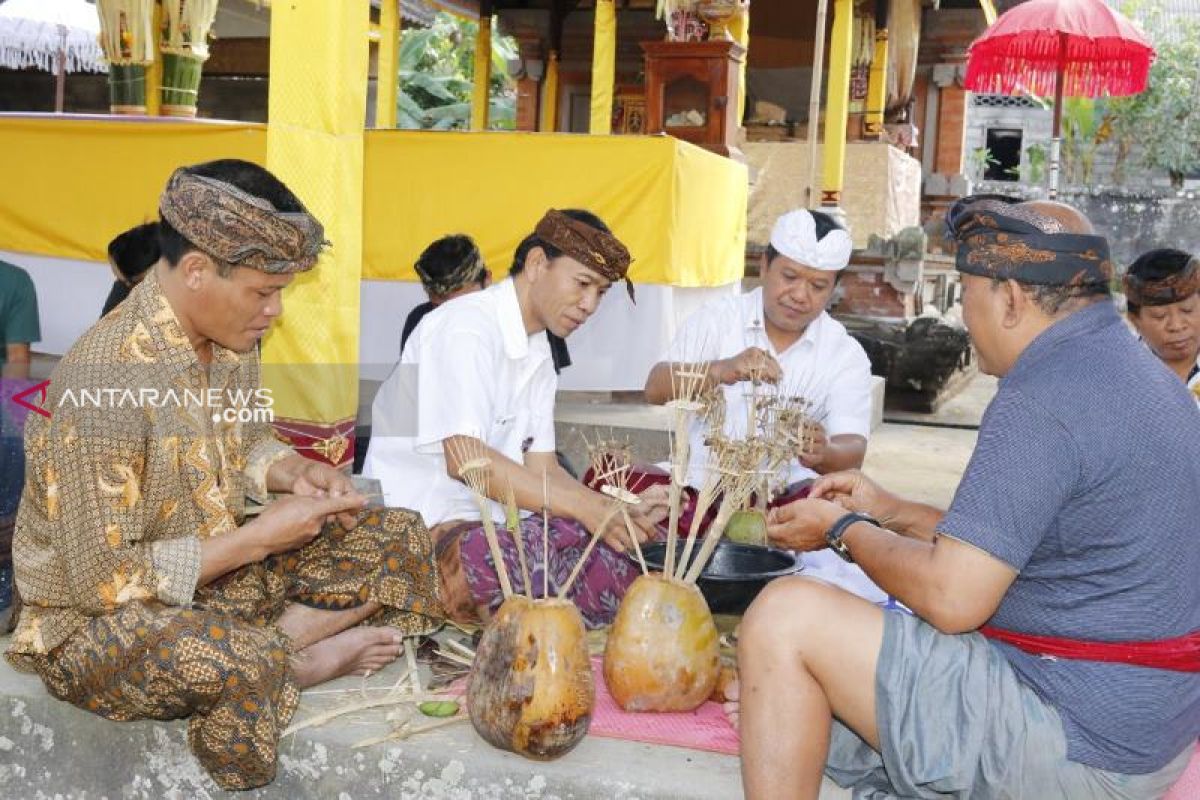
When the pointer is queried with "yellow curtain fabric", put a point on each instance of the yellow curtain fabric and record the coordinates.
(549, 111)
(387, 79)
(482, 75)
(604, 59)
(319, 56)
(84, 181)
(680, 209)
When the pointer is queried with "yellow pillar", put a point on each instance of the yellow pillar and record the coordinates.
(155, 67)
(549, 119)
(877, 88)
(837, 103)
(604, 59)
(319, 60)
(739, 29)
(387, 64)
(480, 98)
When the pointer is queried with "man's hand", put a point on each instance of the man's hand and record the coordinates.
(308, 478)
(655, 506)
(854, 491)
(801, 525)
(751, 363)
(606, 511)
(813, 452)
(292, 522)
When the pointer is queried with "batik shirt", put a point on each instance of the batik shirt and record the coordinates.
(144, 453)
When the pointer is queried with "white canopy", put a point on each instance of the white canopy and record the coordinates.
(33, 31)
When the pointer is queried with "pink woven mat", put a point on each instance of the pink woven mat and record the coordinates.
(706, 728)
(1188, 785)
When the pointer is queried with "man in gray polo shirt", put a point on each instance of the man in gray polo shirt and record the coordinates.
(1055, 646)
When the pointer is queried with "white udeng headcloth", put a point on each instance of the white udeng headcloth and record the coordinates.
(795, 236)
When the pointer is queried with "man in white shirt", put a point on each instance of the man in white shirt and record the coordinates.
(782, 333)
(478, 373)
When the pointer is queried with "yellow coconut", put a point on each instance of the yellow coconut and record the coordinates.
(530, 689)
(662, 652)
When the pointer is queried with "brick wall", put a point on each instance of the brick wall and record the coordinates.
(865, 293)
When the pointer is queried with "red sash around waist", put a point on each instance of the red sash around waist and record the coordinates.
(1181, 654)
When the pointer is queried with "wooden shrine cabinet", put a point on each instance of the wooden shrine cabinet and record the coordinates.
(692, 90)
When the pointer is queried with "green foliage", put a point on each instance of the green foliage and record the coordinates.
(1036, 156)
(981, 158)
(1161, 126)
(1086, 124)
(436, 68)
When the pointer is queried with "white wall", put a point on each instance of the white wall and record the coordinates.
(612, 352)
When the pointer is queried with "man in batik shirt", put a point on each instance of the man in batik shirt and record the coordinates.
(149, 595)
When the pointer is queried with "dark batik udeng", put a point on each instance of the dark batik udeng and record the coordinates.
(1172, 289)
(238, 228)
(1001, 239)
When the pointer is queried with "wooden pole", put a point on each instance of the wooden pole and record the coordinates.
(1056, 138)
(877, 88)
(387, 70)
(60, 70)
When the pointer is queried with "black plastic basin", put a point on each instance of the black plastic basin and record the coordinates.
(735, 573)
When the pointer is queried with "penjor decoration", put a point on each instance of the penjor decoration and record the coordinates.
(184, 47)
(127, 38)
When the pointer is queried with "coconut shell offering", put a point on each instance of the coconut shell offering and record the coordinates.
(662, 652)
(530, 689)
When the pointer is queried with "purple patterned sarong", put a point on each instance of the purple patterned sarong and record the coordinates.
(598, 590)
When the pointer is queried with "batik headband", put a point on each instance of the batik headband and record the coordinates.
(238, 228)
(1001, 239)
(469, 271)
(795, 236)
(599, 251)
(1172, 289)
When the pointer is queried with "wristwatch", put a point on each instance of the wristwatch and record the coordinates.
(833, 536)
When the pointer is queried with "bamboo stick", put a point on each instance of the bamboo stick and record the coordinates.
(405, 732)
(545, 534)
(637, 547)
(514, 527)
(587, 551)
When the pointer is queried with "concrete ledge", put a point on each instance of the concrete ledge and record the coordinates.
(50, 749)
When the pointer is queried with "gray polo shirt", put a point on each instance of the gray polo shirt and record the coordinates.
(1086, 479)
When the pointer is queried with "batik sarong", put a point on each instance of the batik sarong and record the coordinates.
(596, 592)
(223, 662)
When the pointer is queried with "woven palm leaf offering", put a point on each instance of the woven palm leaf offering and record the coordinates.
(184, 47)
(530, 687)
(127, 38)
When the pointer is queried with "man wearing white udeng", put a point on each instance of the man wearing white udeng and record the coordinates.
(782, 332)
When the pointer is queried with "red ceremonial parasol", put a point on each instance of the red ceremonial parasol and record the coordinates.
(1077, 48)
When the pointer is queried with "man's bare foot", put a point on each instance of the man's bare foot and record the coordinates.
(731, 705)
(357, 651)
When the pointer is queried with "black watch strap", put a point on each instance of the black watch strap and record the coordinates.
(833, 536)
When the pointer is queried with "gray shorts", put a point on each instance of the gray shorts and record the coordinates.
(955, 721)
